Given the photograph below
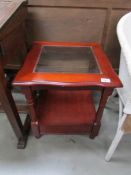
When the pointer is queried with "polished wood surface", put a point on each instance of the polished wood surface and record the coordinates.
(7, 9)
(12, 52)
(27, 75)
(78, 21)
(66, 112)
(66, 105)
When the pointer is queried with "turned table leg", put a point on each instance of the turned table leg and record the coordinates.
(106, 92)
(10, 109)
(32, 110)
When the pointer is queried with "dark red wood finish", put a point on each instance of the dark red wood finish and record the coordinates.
(66, 112)
(13, 47)
(13, 116)
(26, 74)
(70, 111)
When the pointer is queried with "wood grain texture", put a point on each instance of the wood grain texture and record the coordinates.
(13, 52)
(12, 45)
(15, 20)
(31, 102)
(26, 76)
(66, 112)
(10, 109)
(63, 111)
(66, 24)
(7, 9)
(78, 20)
(112, 47)
(83, 3)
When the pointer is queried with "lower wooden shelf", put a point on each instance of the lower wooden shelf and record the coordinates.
(66, 112)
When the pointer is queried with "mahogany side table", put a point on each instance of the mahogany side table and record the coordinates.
(65, 75)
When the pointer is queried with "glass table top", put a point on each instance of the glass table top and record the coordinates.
(57, 59)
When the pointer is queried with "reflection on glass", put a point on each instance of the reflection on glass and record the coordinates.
(54, 59)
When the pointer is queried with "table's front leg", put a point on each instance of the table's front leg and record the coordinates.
(32, 110)
(106, 92)
(8, 104)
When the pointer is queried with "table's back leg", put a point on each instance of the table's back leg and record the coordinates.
(32, 110)
(10, 109)
(106, 92)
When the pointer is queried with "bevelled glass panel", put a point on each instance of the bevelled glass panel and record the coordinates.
(57, 59)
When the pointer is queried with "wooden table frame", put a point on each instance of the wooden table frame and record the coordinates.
(20, 130)
(28, 91)
(30, 81)
(12, 30)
